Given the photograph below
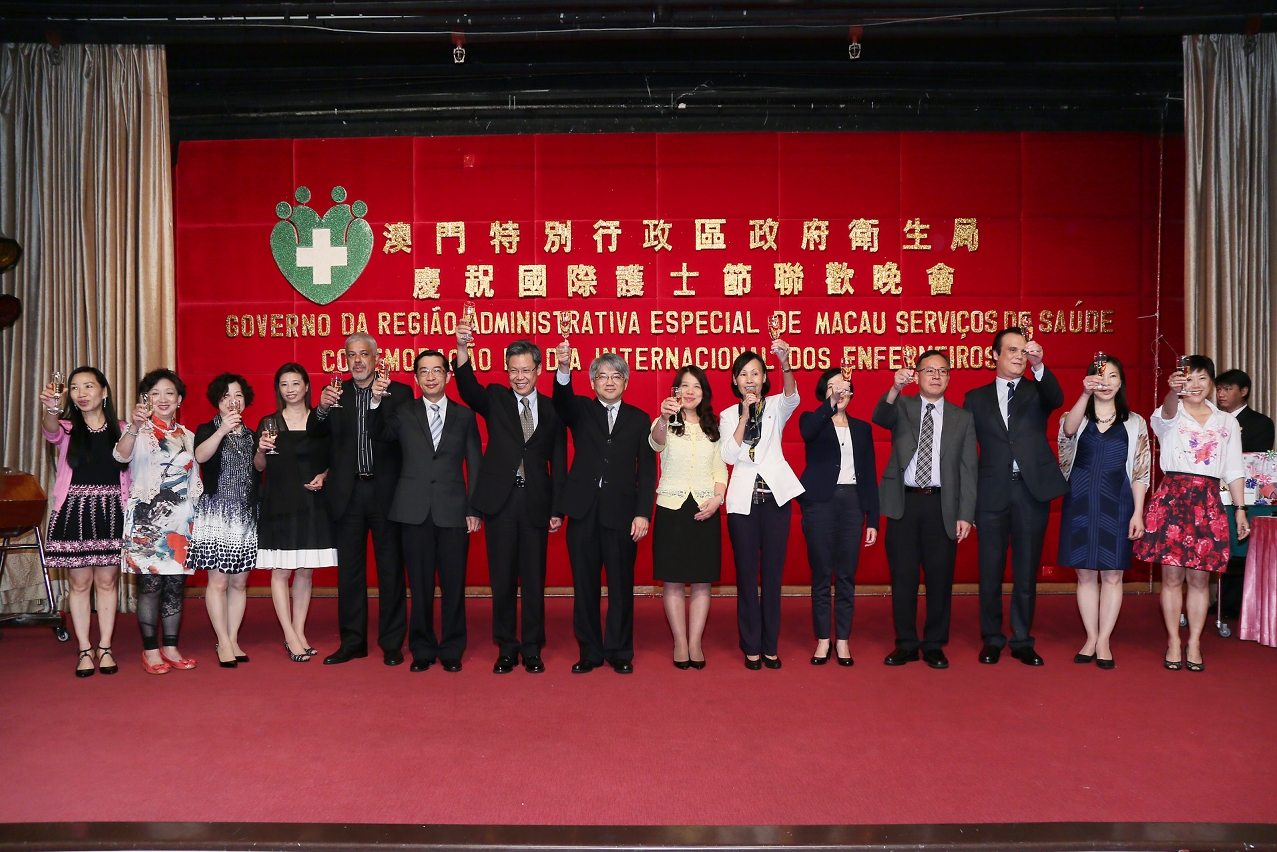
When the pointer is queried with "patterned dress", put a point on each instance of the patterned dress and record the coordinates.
(224, 537)
(86, 530)
(161, 507)
(1097, 510)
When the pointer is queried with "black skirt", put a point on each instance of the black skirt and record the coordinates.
(685, 550)
(87, 530)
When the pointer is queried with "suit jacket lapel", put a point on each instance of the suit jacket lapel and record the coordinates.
(422, 418)
(947, 429)
(600, 414)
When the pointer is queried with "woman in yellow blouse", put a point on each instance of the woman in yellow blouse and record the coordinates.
(687, 538)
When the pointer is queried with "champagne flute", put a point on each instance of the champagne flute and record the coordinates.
(382, 370)
(1184, 365)
(237, 407)
(145, 399)
(847, 367)
(59, 386)
(335, 384)
(470, 316)
(1099, 362)
(676, 419)
(911, 359)
(565, 320)
(270, 431)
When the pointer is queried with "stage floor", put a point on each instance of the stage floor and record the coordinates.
(276, 741)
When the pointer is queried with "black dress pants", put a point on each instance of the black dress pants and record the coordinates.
(364, 515)
(759, 540)
(1023, 525)
(516, 558)
(919, 540)
(593, 549)
(430, 550)
(832, 528)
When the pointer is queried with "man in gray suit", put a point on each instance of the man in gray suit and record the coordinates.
(929, 492)
(431, 505)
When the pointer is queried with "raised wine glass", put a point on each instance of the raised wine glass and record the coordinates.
(145, 399)
(335, 383)
(270, 430)
(470, 316)
(1099, 361)
(58, 382)
(676, 419)
(1184, 365)
(847, 367)
(382, 370)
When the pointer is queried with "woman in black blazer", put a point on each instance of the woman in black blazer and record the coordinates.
(841, 497)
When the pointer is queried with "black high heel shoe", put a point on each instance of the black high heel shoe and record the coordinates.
(303, 657)
(683, 664)
(226, 664)
(107, 670)
(79, 672)
(696, 664)
(820, 661)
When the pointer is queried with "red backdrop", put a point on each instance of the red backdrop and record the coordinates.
(1082, 231)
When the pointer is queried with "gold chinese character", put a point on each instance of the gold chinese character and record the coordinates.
(916, 231)
(838, 279)
(789, 278)
(447, 230)
(558, 235)
(656, 234)
(532, 280)
(684, 290)
(582, 281)
(965, 233)
(738, 279)
(479, 281)
(940, 277)
(709, 234)
(887, 278)
(864, 234)
(629, 280)
(606, 229)
(815, 233)
(762, 234)
(425, 283)
(505, 235)
(398, 238)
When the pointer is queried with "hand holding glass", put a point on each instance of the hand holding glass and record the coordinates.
(676, 419)
(270, 432)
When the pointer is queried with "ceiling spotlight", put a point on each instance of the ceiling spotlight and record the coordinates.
(853, 50)
(458, 48)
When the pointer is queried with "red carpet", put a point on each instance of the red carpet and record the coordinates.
(279, 741)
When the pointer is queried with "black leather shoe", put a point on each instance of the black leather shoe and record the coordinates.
(392, 658)
(900, 656)
(505, 664)
(989, 654)
(583, 666)
(241, 658)
(846, 661)
(684, 665)
(533, 664)
(1083, 659)
(696, 664)
(1028, 656)
(936, 659)
(451, 665)
(820, 661)
(754, 665)
(1105, 664)
(420, 665)
(771, 662)
(344, 655)
(622, 666)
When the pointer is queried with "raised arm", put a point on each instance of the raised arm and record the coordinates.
(473, 394)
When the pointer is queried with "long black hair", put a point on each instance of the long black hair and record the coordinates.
(1121, 408)
(292, 367)
(78, 445)
(704, 411)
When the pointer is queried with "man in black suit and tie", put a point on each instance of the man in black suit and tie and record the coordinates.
(362, 476)
(928, 490)
(437, 437)
(1019, 477)
(519, 487)
(1232, 394)
(608, 498)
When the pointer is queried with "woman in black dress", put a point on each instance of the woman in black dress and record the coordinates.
(687, 542)
(86, 523)
(294, 533)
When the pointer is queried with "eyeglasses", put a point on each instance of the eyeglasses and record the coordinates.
(608, 377)
(522, 371)
(934, 371)
(432, 371)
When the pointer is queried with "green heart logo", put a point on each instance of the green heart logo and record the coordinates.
(321, 257)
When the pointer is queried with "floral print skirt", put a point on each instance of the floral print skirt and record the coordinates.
(1186, 524)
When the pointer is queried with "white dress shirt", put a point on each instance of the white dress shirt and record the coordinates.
(937, 419)
(847, 465)
(1004, 403)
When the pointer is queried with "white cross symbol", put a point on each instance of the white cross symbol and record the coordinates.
(321, 256)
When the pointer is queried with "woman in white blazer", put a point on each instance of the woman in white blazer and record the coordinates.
(759, 492)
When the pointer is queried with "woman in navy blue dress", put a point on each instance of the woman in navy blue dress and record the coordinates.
(1104, 453)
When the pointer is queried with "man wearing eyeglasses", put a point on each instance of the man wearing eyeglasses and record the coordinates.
(928, 490)
(440, 443)
(518, 492)
(608, 500)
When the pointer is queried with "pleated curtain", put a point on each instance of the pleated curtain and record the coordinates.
(86, 188)
(1230, 125)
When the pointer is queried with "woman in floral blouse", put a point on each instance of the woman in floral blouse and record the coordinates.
(1186, 529)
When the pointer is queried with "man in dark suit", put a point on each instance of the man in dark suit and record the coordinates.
(1019, 477)
(362, 476)
(519, 487)
(928, 489)
(1232, 394)
(438, 437)
(608, 498)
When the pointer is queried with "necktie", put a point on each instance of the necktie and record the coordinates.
(1010, 391)
(926, 443)
(436, 424)
(611, 418)
(525, 420)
